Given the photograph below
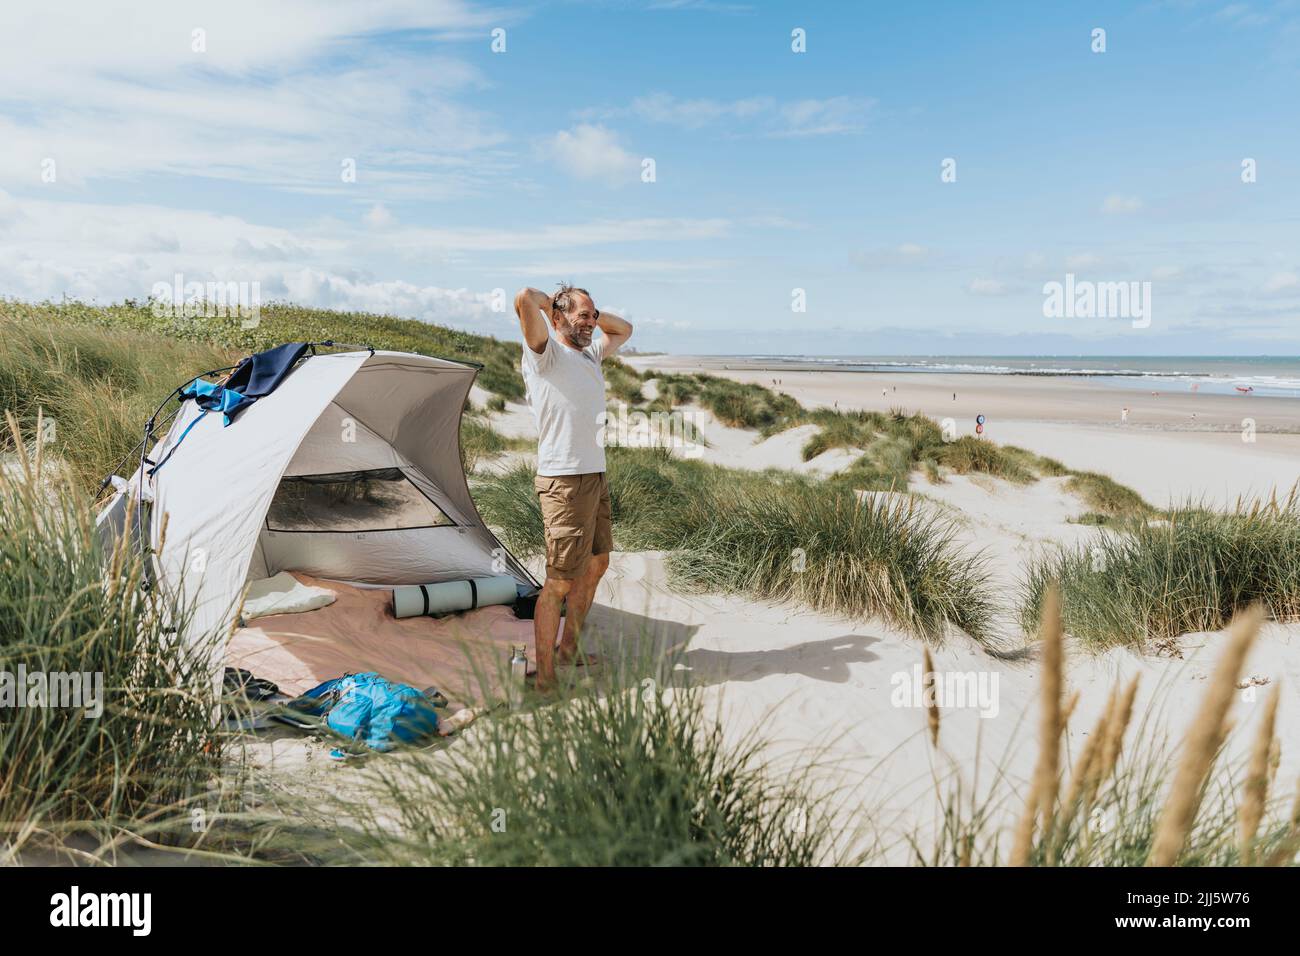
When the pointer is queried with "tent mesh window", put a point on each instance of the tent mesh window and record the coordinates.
(382, 499)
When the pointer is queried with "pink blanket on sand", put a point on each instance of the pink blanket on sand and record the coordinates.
(464, 655)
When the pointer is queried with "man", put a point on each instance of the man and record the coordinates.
(566, 390)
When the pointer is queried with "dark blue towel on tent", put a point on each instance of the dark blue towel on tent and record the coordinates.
(255, 377)
(261, 374)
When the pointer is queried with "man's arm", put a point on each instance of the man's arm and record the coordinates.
(617, 331)
(533, 308)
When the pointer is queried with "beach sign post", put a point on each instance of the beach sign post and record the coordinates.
(979, 424)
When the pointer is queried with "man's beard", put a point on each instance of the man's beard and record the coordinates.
(578, 338)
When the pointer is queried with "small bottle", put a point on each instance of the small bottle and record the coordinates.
(518, 673)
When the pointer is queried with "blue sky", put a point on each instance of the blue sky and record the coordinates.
(130, 155)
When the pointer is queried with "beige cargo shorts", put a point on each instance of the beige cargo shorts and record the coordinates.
(575, 516)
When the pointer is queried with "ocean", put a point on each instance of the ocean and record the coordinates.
(1265, 375)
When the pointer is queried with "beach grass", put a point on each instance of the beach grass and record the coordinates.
(280, 322)
(480, 442)
(1190, 571)
(1105, 496)
(67, 607)
(95, 375)
(735, 404)
(622, 381)
(891, 445)
(774, 536)
(632, 771)
(93, 387)
(1126, 798)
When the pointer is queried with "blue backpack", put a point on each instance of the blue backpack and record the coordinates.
(373, 711)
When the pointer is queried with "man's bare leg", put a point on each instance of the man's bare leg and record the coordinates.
(546, 621)
(579, 603)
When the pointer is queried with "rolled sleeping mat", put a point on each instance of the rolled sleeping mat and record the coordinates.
(450, 596)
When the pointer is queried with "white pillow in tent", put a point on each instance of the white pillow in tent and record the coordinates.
(284, 594)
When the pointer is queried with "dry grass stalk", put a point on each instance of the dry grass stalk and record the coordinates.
(1046, 781)
(1255, 791)
(931, 704)
(1114, 745)
(1089, 765)
(1085, 769)
(1202, 743)
(1283, 855)
(1068, 711)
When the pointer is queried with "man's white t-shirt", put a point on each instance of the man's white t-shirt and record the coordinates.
(566, 391)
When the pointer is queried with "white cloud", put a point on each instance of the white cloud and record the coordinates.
(764, 115)
(280, 95)
(1082, 260)
(981, 286)
(593, 153)
(1120, 205)
(906, 255)
(653, 269)
(380, 217)
(839, 114)
(1282, 282)
(103, 252)
(662, 108)
(1241, 15)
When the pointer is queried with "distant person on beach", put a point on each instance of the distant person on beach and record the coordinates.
(566, 390)
(1123, 414)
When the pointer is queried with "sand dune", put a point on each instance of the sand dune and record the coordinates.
(1162, 452)
(830, 689)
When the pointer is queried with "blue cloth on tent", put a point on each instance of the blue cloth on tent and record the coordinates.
(210, 398)
(255, 377)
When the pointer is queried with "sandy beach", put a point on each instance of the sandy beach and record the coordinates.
(834, 691)
(1162, 452)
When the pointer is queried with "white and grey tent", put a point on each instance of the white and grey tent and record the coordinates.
(350, 470)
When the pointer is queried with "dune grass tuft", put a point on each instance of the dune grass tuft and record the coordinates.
(736, 404)
(1104, 495)
(633, 772)
(1191, 571)
(1122, 806)
(280, 322)
(775, 536)
(93, 387)
(63, 773)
